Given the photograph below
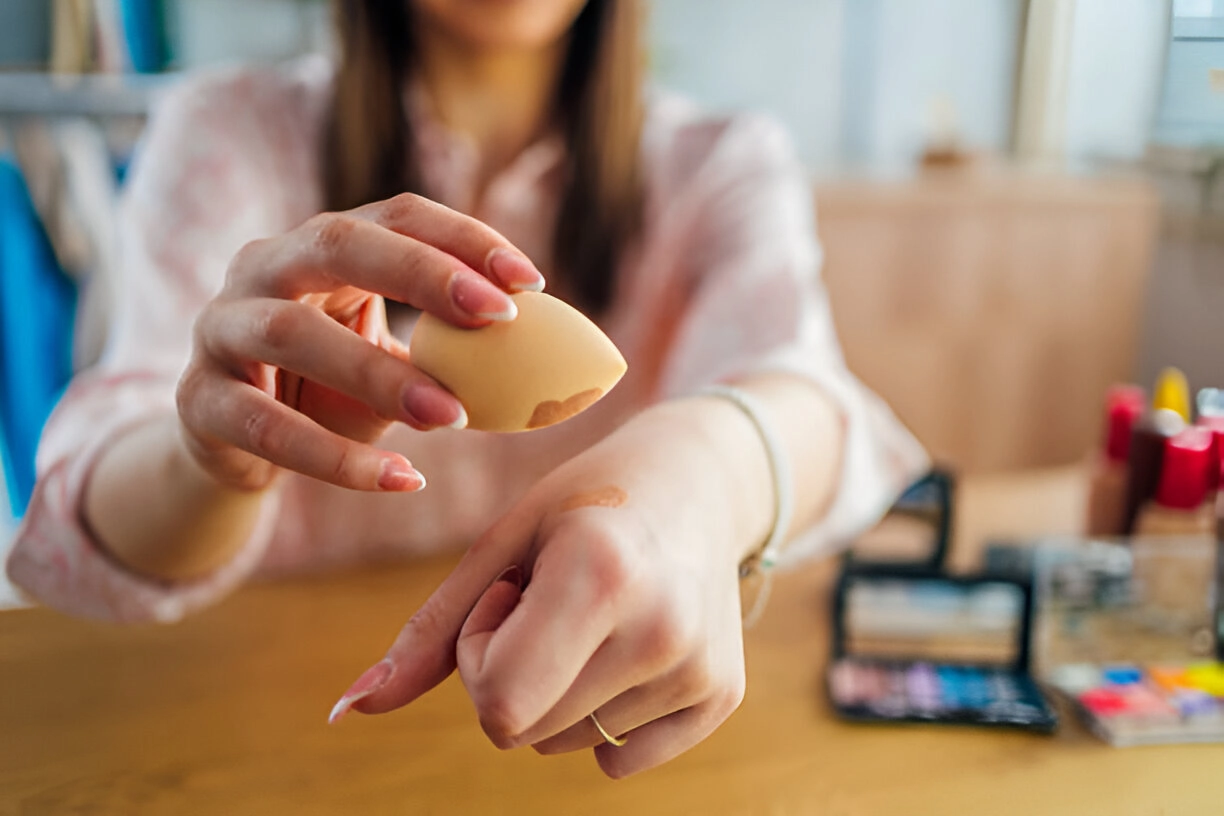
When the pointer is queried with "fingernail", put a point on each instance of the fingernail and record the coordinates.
(461, 421)
(399, 476)
(480, 298)
(430, 406)
(369, 682)
(512, 575)
(514, 271)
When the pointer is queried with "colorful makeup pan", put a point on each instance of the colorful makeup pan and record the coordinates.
(1145, 705)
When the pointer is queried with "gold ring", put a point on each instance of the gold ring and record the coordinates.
(608, 738)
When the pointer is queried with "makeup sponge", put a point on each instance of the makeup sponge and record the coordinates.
(541, 368)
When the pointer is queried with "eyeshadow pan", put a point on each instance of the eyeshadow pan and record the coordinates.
(901, 691)
(1138, 705)
(922, 687)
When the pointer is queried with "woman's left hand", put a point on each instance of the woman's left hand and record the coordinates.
(611, 588)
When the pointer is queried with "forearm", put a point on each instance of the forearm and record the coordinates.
(155, 510)
(712, 443)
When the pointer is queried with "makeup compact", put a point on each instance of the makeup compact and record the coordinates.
(922, 647)
(915, 533)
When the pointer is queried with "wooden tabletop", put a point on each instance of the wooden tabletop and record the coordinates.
(226, 713)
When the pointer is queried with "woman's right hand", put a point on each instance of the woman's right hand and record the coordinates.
(293, 366)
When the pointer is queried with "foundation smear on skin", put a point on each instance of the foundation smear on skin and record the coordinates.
(551, 412)
(610, 496)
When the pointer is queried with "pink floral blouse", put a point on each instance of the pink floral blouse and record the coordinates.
(724, 281)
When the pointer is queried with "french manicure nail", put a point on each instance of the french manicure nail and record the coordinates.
(432, 407)
(373, 679)
(399, 476)
(503, 316)
(480, 298)
(461, 421)
(514, 271)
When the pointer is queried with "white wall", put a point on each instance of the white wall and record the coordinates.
(1116, 62)
(1191, 112)
(1182, 323)
(855, 80)
(779, 55)
(956, 53)
(210, 31)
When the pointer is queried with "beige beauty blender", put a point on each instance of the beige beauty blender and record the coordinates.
(545, 366)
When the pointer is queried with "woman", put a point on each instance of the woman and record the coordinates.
(255, 410)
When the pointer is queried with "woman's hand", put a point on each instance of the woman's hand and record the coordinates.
(627, 557)
(293, 366)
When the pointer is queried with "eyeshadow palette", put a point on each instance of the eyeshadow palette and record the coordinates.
(873, 690)
(933, 648)
(1126, 704)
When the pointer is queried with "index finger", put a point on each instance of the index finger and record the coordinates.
(473, 242)
(423, 654)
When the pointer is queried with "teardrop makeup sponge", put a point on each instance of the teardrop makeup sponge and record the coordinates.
(541, 368)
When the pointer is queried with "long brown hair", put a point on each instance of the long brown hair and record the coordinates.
(365, 155)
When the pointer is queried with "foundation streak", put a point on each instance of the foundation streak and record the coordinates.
(610, 496)
(551, 412)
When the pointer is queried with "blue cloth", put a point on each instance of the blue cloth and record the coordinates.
(37, 305)
(144, 28)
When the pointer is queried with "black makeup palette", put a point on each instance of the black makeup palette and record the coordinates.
(934, 648)
(915, 533)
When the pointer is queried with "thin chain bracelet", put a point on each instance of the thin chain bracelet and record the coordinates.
(760, 563)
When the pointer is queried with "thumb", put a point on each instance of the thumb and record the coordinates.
(423, 654)
(490, 612)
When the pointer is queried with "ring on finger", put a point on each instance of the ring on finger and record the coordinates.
(608, 738)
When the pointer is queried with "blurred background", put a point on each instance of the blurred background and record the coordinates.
(1020, 200)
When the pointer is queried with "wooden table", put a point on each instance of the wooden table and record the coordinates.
(226, 714)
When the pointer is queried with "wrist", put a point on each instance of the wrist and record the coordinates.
(153, 509)
(730, 463)
(209, 470)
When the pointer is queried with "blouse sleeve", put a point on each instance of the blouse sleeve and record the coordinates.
(757, 305)
(195, 195)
